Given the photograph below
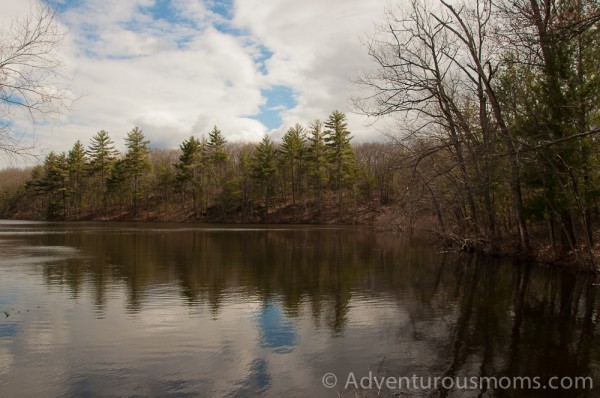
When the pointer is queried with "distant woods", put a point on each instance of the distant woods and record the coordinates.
(208, 178)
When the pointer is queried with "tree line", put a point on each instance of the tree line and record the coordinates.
(206, 177)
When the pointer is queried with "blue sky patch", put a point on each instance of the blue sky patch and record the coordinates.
(279, 98)
(63, 5)
(162, 9)
(264, 55)
(221, 7)
(224, 9)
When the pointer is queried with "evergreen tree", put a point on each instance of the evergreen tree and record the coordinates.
(317, 159)
(217, 162)
(189, 168)
(77, 166)
(54, 184)
(117, 181)
(245, 176)
(265, 167)
(235, 197)
(340, 153)
(136, 160)
(216, 143)
(102, 155)
(77, 161)
(164, 179)
(292, 151)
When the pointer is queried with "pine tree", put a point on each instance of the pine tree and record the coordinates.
(265, 167)
(317, 159)
(189, 168)
(77, 166)
(102, 155)
(54, 184)
(217, 161)
(245, 176)
(341, 155)
(117, 181)
(136, 160)
(292, 151)
(215, 144)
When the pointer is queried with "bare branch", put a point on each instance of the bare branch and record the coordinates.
(30, 79)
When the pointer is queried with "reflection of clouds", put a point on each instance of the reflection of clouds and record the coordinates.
(47, 334)
(257, 381)
(242, 328)
(276, 332)
(58, 250)
(278, 335)
(11, 234)
(232, 339)
(18, 256)
(157, 320)
(174, 348)
(6, 360)
(365, 311)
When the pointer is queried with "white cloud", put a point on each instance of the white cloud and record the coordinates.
(132, 78)
(316, 49)
(179, 78)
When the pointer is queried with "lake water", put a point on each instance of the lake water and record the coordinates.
(123, 309)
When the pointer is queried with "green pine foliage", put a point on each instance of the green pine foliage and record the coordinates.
(54, 184)
(265, 168)
(190, 168)
(217, 163)
(215, 144)
(293, 151)
(340, 154)
(102, 154)
(136, 161)
(317, 160)
(77, 164)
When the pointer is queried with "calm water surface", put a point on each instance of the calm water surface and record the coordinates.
(113, 309)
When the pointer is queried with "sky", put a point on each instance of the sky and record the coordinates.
(178, 67)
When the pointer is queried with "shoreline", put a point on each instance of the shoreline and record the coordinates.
(423, 233)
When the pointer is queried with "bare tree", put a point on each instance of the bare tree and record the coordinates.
(422, 74)
(436, 65)
(30, 79)
(471, 32)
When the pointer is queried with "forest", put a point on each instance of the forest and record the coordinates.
(494, 146)
(314, 172)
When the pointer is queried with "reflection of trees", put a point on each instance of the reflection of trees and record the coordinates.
(319, 267)
(477, 317)
(511, 320)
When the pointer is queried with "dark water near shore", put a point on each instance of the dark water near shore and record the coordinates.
(112, 309)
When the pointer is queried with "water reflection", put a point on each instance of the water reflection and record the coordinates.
(153, 310)
(276, 332)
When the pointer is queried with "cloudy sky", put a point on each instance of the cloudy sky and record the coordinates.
(178, 67)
